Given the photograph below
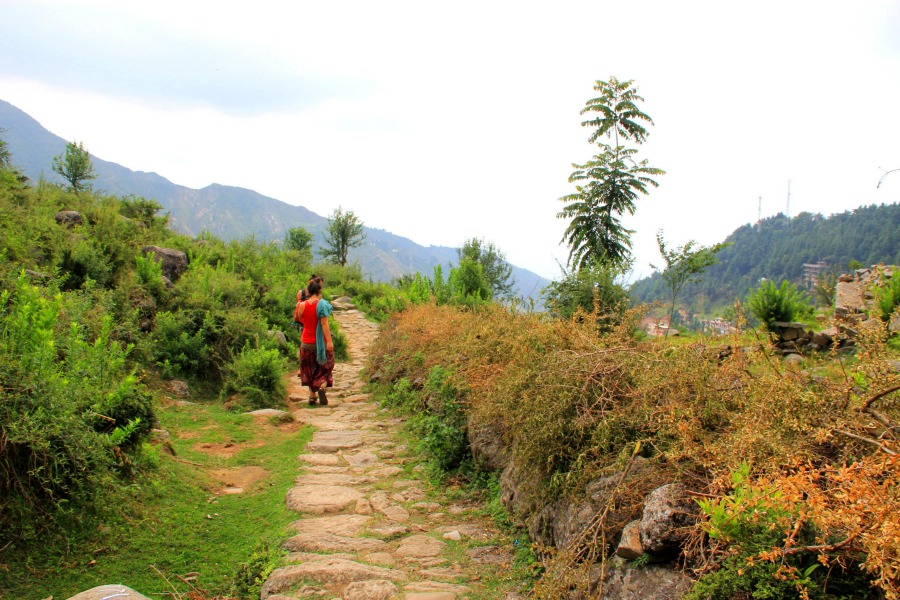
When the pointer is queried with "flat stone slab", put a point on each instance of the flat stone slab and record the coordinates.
(268, 412)
(389, 471)
(329, 570)
(390, 529)
(336, 524)
(441, 573)
(376, 589)
(395, 512)
(328, 542)
(435, 586)
(331, 479)
(420, 546)
(321, 499)
(430, 596)
(329, 460)
(333, 441)
(109, 591)
(326, 469)
(362, 459)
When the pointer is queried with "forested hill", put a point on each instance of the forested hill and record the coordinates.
(232, 212)
(778, 247)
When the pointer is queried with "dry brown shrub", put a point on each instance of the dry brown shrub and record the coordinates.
(571, 403)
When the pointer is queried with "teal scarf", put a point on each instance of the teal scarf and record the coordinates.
(323, 309)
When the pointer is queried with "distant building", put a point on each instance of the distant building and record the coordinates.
(812, 271)
(656, 326)
(718, 326)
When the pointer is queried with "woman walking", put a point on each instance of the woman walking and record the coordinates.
(316, 347)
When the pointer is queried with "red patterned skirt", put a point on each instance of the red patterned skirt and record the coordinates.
(312, 374)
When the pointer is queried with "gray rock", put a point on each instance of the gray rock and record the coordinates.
(69, 218)
(119, 592)
(179, 388)
(172, 262)
(793, 359)
(343, 303)
(668, 516)
(374, 589)
(278, 336)
(630, 546)
(822, 339)
(650, 582)
(848, 298)
(488, 449)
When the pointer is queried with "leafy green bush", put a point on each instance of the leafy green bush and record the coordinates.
(253, 573)
(770, 303)
(178, 342)
(256, 377)
(440, 429)
(887, 297)
(70, 407)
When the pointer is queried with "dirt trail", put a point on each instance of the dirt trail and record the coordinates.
(369, 528)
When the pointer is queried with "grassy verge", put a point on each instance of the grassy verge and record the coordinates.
(175, 518)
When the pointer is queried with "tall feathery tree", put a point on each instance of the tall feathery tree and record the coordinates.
(344, 231)
(608, 184)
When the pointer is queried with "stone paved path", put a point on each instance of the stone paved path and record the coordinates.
(369, 528)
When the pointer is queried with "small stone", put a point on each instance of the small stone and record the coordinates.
(630, 546)
(363, 507)
(452, 535)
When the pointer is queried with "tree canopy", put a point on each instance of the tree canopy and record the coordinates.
(75, 166)
(608, 185)
(497, 271)
(345, 231)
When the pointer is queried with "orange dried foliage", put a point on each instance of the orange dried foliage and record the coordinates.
(570, 404)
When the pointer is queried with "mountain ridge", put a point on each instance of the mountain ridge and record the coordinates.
(231, 212)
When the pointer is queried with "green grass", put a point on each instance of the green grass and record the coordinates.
(170, 519)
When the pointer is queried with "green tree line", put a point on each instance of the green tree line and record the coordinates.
(777, 248)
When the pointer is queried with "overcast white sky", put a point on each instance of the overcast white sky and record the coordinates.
(444, 121)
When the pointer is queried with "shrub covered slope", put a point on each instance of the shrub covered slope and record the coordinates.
(795, 466)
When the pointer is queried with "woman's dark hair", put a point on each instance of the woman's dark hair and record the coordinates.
(314, 286)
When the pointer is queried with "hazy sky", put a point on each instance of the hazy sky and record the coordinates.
(444, 121)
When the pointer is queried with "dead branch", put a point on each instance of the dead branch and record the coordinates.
(181, 460)
(879, 396)
(881, 419)
(175, 593)
(866, 440)
(820, 549)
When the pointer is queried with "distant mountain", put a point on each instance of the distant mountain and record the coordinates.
(230, 212)
(777, 248)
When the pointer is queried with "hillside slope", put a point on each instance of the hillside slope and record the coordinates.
(230, 212)
(778, 247)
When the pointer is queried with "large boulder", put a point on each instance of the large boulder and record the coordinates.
(69, 218)
(488, 449)
(172, 262)
(669, 514)
(849, 298)
(651, 582)
(561, 522)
